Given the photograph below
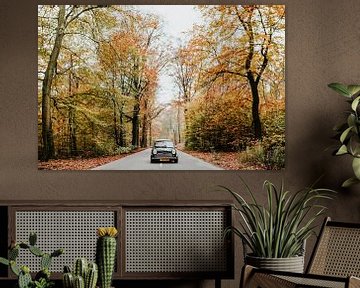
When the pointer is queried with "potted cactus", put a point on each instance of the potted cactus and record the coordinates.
(84, 275)
(42, 278)
(106, 254)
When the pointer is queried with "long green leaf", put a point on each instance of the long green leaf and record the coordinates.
(356, 167)
(345, 134)
(349, 182)
(354, 90)
(355, 103)
(279, 228)
(340, 88)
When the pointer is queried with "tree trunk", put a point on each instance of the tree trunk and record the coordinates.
(179, 123)
(187, 132)
(47, 133)
(150, 132)
(72, 122)
(122, 140)
(135, 126)
(72, 133)
(255, 108)
(144, 131)
(116, 131)
(144, 123)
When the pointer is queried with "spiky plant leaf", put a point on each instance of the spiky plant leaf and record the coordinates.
(280, 228)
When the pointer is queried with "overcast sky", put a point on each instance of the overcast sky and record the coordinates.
(176, 19)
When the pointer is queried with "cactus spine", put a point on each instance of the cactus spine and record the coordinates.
(84, 276)
(106, 254)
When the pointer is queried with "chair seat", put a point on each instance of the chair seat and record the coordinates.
(315, 282)
(268, 279)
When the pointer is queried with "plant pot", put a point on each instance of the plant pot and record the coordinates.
(291, 264)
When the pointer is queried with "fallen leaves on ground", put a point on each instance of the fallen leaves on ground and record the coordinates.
(80, 163)
(226, 160)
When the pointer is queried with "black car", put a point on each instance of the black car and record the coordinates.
(164, 150)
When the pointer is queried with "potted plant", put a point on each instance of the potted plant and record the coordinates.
(349, 132)
(42, 278)
(276, 233)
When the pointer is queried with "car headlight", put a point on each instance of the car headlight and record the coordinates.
(154, 151)
(173, 151)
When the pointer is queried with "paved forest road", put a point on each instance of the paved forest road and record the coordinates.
(141, 161)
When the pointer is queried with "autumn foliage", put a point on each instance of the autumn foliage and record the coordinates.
(104, 74)
(231, 81)
(99, 71)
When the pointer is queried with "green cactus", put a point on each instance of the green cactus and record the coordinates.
(14, 268)
(25, 269)
(36, 251)
(91, 276)
(13, 253)
(80, 267)
(57, 252)
(24, 280)
(42, 278)
(105, 258)
(79, 282)
(67, 269)
(45, 261)
(87, 272)
(32, 238)
(68, 280)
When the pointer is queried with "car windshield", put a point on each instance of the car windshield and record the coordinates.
(164, 144)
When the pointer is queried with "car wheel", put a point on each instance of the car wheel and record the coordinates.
(176, 161)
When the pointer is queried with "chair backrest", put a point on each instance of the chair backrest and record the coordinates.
(337, 251)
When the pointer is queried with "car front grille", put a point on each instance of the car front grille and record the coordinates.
(164, 154)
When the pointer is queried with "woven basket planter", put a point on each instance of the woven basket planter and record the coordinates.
(291, 264)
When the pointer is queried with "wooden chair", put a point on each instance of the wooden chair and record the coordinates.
(335, 262)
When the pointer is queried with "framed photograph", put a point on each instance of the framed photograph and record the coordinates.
(161, 87)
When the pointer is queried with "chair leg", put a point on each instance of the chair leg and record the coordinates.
(217, 282)
(246, 273)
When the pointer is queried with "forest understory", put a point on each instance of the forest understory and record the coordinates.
(79, 163)
(228, 160)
